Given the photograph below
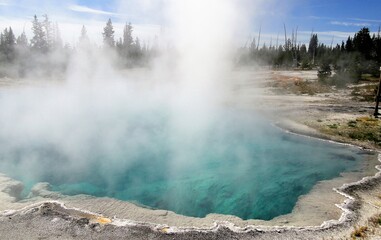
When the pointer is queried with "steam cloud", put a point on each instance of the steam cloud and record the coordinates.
(98, 105)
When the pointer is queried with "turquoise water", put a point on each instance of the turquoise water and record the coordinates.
(237, 163)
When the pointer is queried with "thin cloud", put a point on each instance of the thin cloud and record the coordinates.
(366, 20)
(319, 18)
(351, 24)
(85, 9)
(4, 3)
(336, 34)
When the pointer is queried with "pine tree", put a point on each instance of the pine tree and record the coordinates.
(83, 38)
(303, 50)
(362, 42)
(7, 44)
(128, 41)
(22, 40)
(127, 36)
(108, 34)
(349, 45)
(3, 44)
(313, 46)
(136, 49)
(58, 44)
(342, 48)
(22, 54)
(38, 42)
(49, 31)
(119, 46)
(2, 47)
(137, 45)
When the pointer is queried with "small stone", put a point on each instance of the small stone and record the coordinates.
(83, 221)
(95, 226)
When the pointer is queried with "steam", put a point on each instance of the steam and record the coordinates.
(204, 44)
(115, 112)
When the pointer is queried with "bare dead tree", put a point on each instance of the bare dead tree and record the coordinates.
(271, 42)
(294, 38)
(259, 37)
(313, 54)
(285, 36)
(277, 40)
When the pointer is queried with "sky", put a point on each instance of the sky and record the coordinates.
(332, 20)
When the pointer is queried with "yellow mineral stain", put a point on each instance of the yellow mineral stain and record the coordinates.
(103, 220)
(164, 230)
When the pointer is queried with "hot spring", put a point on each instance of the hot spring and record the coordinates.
(138, 150)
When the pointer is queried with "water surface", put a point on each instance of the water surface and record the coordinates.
(232, 162)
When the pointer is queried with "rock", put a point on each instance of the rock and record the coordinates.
(83, 221)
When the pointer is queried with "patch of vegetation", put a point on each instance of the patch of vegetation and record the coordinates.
(369, 77)
(305, 64)
(299, 87)
(310, 88)
(334, 126)
(352, 123)
(359, 232)
(365, 93)
(324, 72)
(361, 129)
(362, 135)
(367, 129)
(375, 221)
(368, 120)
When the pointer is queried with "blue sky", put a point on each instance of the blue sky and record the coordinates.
(72, 14)
(330, 19)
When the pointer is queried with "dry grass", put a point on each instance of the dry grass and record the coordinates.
(296, 85)
(370, 229)
(361, 129)
(359, 232)
(375, 221)
(365, 93)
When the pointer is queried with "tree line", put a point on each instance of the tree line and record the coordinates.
(45, 54)
(338, 65)
(130, 49)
